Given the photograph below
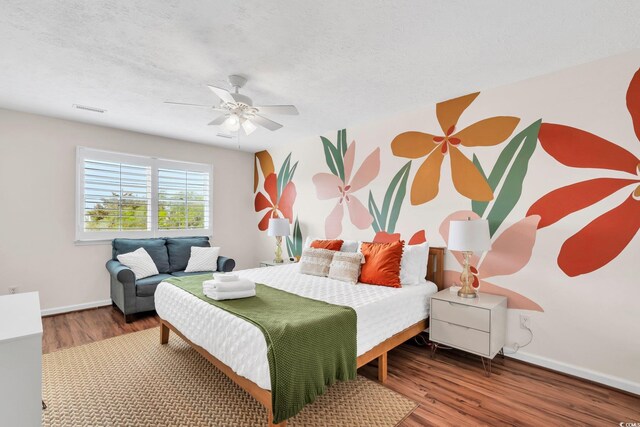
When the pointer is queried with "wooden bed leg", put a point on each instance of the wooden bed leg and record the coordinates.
(164, 333)
(271, 424)
(382, 368)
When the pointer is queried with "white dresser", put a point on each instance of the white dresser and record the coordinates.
(476, 325)
(20, 360)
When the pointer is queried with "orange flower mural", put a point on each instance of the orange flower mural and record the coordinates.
(603, 239)
(467, 180)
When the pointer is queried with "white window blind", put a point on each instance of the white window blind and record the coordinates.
(122, 195)
(183, 199)
(117, 196)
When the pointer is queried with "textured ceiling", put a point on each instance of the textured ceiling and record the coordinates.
(340, 62)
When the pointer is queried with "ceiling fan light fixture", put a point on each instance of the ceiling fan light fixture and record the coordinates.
(232, 123)
(237, 110)
(248, 127)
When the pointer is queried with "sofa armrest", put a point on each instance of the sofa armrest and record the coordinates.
(121, 272)
(226, 264)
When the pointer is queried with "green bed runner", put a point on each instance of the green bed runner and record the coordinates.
(310, 344)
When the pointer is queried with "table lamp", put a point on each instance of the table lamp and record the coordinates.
(278, 227)
(468, 237)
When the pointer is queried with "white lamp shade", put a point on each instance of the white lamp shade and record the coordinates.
(248, 127)
(278, 227)
(471, 235)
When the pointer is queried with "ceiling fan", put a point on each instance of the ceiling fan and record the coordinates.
(238, 110)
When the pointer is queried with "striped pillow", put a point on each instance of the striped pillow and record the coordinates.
(346, 266)
(316, 261)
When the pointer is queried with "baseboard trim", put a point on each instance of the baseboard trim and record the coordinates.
(76, 307)
(576, 371)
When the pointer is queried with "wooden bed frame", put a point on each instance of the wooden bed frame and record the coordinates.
(435, 273)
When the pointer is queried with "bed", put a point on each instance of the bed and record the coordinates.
(386, 317)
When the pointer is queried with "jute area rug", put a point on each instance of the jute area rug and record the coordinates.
(132, 380)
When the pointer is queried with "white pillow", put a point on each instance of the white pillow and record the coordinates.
(424, 265)
(347, 245)
(140, 262)
(413, 267)
(203, 259)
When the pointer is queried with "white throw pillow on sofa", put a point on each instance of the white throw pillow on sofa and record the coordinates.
(203, 259)
(413, 267)
(140, 262)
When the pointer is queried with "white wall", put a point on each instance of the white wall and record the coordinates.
(37, 202)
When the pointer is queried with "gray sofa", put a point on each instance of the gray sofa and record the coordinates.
(170, 255)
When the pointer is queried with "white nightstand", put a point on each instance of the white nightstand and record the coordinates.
(271, 263)
(475, 325)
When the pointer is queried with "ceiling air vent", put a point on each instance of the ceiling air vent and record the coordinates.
(87, 108)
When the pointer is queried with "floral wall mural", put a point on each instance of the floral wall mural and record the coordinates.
(279, 191)
(602, 240)
(510, 252)
(465, 175)
(342, 186)
(563, 204)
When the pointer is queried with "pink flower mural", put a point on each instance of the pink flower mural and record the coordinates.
(342, 186)
(510, 252)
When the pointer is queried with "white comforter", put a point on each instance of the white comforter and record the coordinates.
(382, 312)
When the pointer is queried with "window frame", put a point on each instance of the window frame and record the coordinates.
(86, 153)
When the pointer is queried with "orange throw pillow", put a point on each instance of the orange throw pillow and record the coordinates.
(332, 245)
(381, 263)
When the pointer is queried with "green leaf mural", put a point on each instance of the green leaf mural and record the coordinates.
(375, 213)
(334, 154)
(294, 246)
(387, 218)
(342, 141)
(285, 175)
(512, 162)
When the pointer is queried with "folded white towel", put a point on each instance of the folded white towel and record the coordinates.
(226, 277)
(237, 285)
(219, 296)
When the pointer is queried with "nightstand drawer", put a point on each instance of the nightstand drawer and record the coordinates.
(460, 314)
(460, 337)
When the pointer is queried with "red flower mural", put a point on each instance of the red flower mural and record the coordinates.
(278, 205)
(419, 237)
(603, 239)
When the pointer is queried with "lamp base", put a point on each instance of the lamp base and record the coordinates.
(466, 294)
(466, 278)
(278, 252)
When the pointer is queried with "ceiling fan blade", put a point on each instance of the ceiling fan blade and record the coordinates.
(248, 127)
(290, 110)
(264, 122)
(218, 120)
(223, 94)
(187, 104)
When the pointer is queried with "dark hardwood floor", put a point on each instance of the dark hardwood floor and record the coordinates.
(82, 327)
(450, 389)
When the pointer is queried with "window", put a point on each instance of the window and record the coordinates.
(122, 195)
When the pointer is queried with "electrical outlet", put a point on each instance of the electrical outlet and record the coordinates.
(13, 289)
(525, 321)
